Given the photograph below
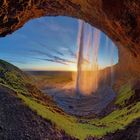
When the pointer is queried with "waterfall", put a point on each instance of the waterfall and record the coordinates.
(80, 40)
(112, 63)
(87, 61)
(88, 72)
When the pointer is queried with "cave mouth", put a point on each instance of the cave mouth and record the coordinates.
(119, 20)
(50, 48)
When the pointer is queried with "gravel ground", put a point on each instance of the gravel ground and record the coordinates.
(18, 122)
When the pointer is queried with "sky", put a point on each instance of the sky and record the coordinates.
(49, 43)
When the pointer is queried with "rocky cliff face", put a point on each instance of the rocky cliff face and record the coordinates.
(119, 19)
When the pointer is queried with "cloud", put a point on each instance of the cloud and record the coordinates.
(52, 58)
(54, 26)
(57, 61)
(72, 53)
(68, 51)
(63, 60)
(57, 29)
(41, 53)
(51, 49)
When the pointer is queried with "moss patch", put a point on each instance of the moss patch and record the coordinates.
(124, 94)
(118, 119)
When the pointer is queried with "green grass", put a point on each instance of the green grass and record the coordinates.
(124, 94)
(65, 122)
(118, 119)
(14, 78)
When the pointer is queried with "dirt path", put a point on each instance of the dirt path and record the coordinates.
(18, 122)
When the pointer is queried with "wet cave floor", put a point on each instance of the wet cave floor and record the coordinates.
(84, 105)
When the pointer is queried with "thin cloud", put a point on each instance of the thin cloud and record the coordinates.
(72, 53)
(54, 51)
(68, 51)
(57, 61)
(41, 44)
(62, 59)
(54, 27)
(53, 60)
(41, 53)
(52, 57)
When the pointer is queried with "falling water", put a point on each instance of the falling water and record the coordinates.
(80, 56)
(112, 63)
(87, 65)
(88, 74)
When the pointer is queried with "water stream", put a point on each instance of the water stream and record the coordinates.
(88, 70)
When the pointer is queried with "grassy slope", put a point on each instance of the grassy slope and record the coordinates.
(124, 94)
(13, 78)
(118, 119)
